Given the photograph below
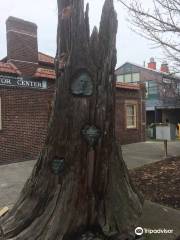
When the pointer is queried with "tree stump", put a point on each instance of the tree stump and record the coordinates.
(80, 181)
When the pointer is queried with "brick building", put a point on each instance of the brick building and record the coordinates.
(26, 88)
(27, 85)
(162, 90)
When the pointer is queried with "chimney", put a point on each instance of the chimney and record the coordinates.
(164, 67)
(152, 64)
(22, 47)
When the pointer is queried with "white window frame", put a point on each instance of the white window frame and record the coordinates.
(135, 116)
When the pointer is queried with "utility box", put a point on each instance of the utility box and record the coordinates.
(165, 131)
(151, 131)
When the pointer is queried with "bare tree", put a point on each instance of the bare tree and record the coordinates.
(159, 23)
(80, 182)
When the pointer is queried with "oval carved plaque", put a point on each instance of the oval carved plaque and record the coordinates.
(91, 134)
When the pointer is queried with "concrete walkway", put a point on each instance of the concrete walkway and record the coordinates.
(139, 154)
(13, 177)
(156, 216)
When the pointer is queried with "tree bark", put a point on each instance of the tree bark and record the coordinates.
(90, 189)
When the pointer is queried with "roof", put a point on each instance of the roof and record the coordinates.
(42, 71)
(45, 73)
(9, 68)
(44, 58)
(129, 86)
(50, 74)
(139, 66)
(149, 69)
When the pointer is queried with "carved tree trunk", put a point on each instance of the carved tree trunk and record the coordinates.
(80, 182)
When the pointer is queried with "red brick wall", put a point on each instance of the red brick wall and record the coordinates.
(24, 122)
(25, 114)
(123, 134)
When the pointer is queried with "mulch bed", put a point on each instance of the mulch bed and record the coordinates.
(159, 182)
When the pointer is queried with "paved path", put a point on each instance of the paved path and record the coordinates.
(13, 177)
(138, 154)
(156, 216)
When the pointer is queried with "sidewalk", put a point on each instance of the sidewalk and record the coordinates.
(12, 179)
(138, 154)
(13, 176)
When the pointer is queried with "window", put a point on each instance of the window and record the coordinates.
(135, 77)
(129, 78)
(0, 116)
(152, 88)
(147, 89)
(131, 115)
(120, 78)
(177, 89)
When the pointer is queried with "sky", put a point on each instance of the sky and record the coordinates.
(130, 46)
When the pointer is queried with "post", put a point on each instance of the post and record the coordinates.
(155, 114)
(165, 149)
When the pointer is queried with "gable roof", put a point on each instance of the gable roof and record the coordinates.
(149, 69)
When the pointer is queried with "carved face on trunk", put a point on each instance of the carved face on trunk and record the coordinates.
(82, 84)
(57, 165)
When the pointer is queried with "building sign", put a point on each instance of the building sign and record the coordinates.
(22, 82)
(167, 80)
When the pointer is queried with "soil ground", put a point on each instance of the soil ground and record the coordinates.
(159, 182)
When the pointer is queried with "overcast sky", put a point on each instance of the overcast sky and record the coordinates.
(130, 46)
